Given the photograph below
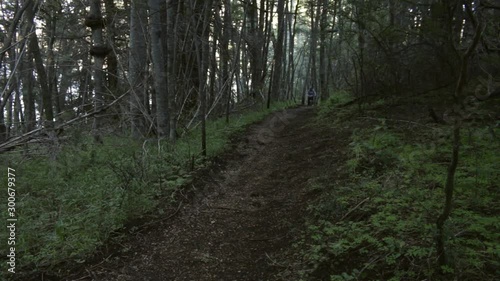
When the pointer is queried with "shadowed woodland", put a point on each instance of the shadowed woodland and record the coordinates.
(186, 121)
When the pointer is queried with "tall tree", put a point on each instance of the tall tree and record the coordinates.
(111, 59)
(323, 56)
(171, 50)
(138, 67)
(443, 257)
(159, 73)
(278, 51)
(292, 30)
(52, 19)
(28, 92)
(314, 13)
(40, 69)
(9, 37)
(99, 51)
(360, 22)
(203, 51)
(227, 78)
(255, 41)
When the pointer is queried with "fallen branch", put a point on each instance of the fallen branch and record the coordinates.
(355, 207)
(162, 219)
(19, 140)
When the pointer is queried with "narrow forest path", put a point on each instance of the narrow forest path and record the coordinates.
(244, 214)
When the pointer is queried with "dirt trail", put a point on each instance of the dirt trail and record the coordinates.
(243, 217)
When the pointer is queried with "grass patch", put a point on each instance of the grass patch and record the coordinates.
(69, 207)
(331, 105)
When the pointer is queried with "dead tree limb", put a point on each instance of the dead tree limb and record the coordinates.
(22, 139)
(450, 177)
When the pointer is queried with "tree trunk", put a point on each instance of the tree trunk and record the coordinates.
(323, 58)
(315, 13)
(18, 15)
(34, 49)
(138, 67)
(159, 73)
(28, 93)
(278, 51)
(291, 58)
(42, 80)
(224, 53)
(51, 23)
(361, 48)
(450, 178)
(18, 112)
(13, 126)
(268, 29)
(111, 59)
(171, 47)
(203, 50)
(255, 41)
(449, 187)
(99, 52)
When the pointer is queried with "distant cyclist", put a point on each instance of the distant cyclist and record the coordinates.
(311, 94)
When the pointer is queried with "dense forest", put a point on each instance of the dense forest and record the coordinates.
(110, 112)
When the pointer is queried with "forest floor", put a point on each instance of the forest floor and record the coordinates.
(243, 214)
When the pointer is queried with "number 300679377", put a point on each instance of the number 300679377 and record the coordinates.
(12, 219)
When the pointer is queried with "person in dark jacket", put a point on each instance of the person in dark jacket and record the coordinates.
(311, 95)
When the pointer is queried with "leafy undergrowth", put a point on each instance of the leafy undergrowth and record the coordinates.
(70, 207)
(376, 219)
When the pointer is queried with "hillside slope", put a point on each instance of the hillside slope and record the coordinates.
(243, 216)
(333, 193)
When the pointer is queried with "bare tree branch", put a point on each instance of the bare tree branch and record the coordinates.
(22, 139)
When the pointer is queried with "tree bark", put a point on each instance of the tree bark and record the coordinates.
(450, 178)
(171, 47)
(138, 67)
(203, 50)
(360, 14)
(42, 80)
(51, 23)
(224, 52)
(323, 58)
(278, 51)
(159, 74)
(97, 43)
(315, 13)
(255, 41)
(111, 59)
(7, 44)
(28, 93)
(291, 58)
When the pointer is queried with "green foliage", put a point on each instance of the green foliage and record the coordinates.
(375, 154)
(335, 100)
(71, 206)
(378, 222)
